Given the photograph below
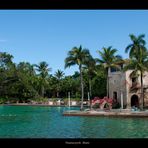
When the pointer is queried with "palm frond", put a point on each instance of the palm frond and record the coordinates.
(69, 64)
(118, 57)
(134, 74)
(99, 61)
(141, 40)
(113, 51)
(133, 37)
(128, 48)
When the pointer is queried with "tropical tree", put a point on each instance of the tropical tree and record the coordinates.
(59, 75)
(5, 60)
(75, 87)
(52, 86)
(26, 67)
(25, 74)
(69, 84)
(90, 67)
(109, 59)
(7, 73)
(99, 81)
(43, 70)
(137, 46)
(78, 56)
(76, 75)
(138, 59)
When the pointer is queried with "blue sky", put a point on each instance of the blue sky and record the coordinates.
(47, 35)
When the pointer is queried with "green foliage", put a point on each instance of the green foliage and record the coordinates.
(3, 100)
(78, 56)
(20, 82)
(109, 60)
(25, 81)
(40, 100)
(43, 70)
(96, 105)
(106, 105)
(116, 105)
(138, 60)
(71, 99)
(99, 82)
(108, 57)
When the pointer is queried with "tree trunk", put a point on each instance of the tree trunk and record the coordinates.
(90, 90)
(142, 95)
(90, 94)
(42, 91)
(82, 89)
(57, 94)
(58, 88)
(107, 82)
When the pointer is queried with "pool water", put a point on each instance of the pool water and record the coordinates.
(48, 122)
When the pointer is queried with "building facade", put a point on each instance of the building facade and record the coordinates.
(127, 90)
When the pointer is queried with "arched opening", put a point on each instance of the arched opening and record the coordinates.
(115, 95)
(134, 101)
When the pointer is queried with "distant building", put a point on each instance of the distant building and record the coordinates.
(121, 85)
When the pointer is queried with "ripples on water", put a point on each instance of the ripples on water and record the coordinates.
(48, 122)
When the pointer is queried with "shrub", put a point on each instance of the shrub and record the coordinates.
(2, 100)
(96, 105)
(116, 105)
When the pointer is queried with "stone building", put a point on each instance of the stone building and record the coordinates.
(127, 90)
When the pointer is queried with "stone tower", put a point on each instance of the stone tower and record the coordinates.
(127, 90)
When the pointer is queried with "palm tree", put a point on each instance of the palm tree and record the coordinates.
(7, 73)
(26, 67)
(78, 56)
(26, 77)
(43, 70)
(138, 59)
(59, 75)
(5, 60)
(109, 60)
(90, 69)
(137, 45)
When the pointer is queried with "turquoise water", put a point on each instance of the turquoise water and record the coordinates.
(48, 122)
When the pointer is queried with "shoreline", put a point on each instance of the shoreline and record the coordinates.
(26, 104)
(90, 113)
(107, 113)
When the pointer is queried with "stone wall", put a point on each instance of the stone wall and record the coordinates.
(117, 84)
(121, 82)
